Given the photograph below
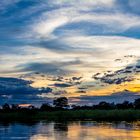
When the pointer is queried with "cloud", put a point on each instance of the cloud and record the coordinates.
(5, 4)
(12, 89)
(92, 45)
(14, 86)
(70, 38)
(45, 28)
(15, 90)
(47, 68)
(38, 20)
(53, 68)
(80, 51)
(83, 3)
(118, 97)
(62, 85)
(74, 12)
(128, 6)
(123, 75)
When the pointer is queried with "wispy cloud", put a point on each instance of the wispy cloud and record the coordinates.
(68, 37)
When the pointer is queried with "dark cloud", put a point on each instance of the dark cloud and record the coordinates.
(116, 80)
(72, 80)
(129, 56)
(118, 97)
(56, 78)
(62, 85)
(55, 68)
(76, 78)
(54, 45)
(65, 82)
(59, 45)
(59, 92)
(13, 89)
(82, 88)
(14, 86)
(118, 60)
(120, 76)
(113, 78)
(81, 91)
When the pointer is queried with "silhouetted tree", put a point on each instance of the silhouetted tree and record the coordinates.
(6, 107)
(103, 105)
(14, 107)
(46, 107)
(61, 102)
(124, 105)
(31, 107)
(75, 107)
(137, 104)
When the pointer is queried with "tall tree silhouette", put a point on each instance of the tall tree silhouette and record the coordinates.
(137, 103)
(60, 102)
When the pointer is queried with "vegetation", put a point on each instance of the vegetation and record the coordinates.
(70, 115)
(61, 102)
(61, 111)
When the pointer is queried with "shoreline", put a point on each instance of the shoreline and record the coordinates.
(71, 115)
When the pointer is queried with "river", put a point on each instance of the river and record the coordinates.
(82, 130)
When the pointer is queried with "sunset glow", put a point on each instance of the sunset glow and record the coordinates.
(73, 48)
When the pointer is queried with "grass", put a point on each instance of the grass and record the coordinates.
(72, 115)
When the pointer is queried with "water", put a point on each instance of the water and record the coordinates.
(85, 130)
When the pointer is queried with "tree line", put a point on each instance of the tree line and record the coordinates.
(62, 104)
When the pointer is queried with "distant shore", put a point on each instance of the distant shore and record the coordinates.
(72, 115)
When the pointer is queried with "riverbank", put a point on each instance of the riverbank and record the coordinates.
(72, 115)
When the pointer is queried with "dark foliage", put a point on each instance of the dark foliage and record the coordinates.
(60, 111)
(6, 107)
(61, 102)
(125, 105)
(137, 104)
(46, 107)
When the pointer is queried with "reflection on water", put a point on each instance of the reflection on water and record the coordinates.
(85, 130)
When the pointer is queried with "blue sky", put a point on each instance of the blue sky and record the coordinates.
(81, 38)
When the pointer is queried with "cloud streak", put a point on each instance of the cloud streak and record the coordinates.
(75, 38)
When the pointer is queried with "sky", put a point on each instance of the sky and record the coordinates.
(86, 50)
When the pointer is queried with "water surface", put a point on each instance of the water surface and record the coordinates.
(85, 130)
